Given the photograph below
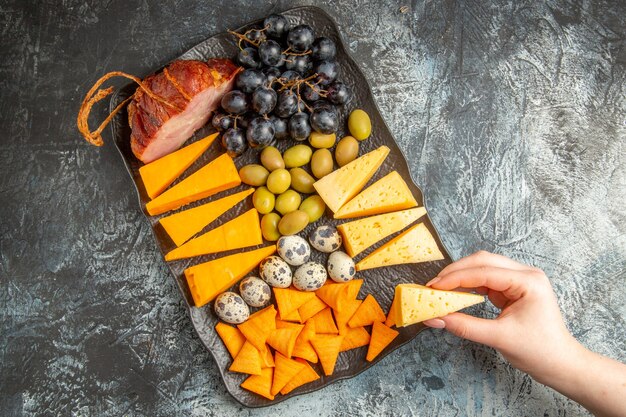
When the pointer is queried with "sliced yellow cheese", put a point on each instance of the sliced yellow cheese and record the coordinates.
(240, 232)
(158, 175)
(359, 235)
(340, 186)
(218, 175)
(414, 245)
(390, 193)
(416, 303)
(207, 280)
(183, 225)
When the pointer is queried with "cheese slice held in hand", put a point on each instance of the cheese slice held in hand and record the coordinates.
(390, 193)
(338, 187)
(415, 303)
(158, 175)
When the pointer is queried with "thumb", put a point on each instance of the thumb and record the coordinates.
(471, 328)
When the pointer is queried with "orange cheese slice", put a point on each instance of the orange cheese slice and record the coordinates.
(390, 193)
(240, 232)
(218, 175)
(359, 235)
(340, 186)
(207, 280)
(159, 174)
(183, 225)
(414, 245)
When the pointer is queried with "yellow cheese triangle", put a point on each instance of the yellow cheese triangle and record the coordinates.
(240, 232)
(390, 193)
(416, 303)
(159, 174)
(359, 235)
(206, 281)
(218, 175)
(183, 225)
(414, 245)
(341, 185)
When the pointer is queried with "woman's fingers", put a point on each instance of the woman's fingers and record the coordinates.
(511, 283)
(472, 328)
(497, 299)
(481, 258)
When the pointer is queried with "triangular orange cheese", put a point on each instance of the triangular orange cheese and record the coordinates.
(218, 175)
(367, 313)
(284, 372)
(380, 339)
(184, 224)
(390, 193)
(359, 235)
(158, 175)
(226, 237)
(207, 280)
(247, 361)
(260, 384)
(290, 299)
(306, 375)
(231, 336)
(341, 185)
(327, 348)
(414, 245)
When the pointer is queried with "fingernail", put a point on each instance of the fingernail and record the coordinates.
(433, 281)
(435, 323)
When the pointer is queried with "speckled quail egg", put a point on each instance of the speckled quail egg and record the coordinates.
(340, 267)
(325, 239)
(255, 291)
(276, 272)
(231, 308)
(293, 249)
(310, 276)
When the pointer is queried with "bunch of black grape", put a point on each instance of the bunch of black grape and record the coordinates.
(288, 88)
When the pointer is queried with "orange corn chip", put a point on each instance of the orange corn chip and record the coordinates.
(381, 337)
(303, 348)
(260, 384)
(293, 316)
(368, 312)
(311, 308)
(259, 326)
(391, 316)
(324, 322)
(284, 372)
(231, 336)
(248, 361)
(267, 359)
(354, 287)
(354, 338)
(327, 348)
(284, 339)
(334, 294)
(306, 375)
(343, 316)
(283, 324)
(290, 299)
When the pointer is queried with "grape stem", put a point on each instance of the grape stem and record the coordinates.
(242, 37)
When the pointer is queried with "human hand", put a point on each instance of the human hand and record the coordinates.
(529, 332)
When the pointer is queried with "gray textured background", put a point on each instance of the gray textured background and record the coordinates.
(511, 113)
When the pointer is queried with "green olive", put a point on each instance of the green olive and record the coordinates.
(272, 159)
(269, 226)
(279, 181)
(321, 163)
(254, 175)
(263, 200)
(293, 223)
(359, 124)
(296, 156)
(314, 207)
(287, 202)
(301, 181)
(321, 140)
(346, 151)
